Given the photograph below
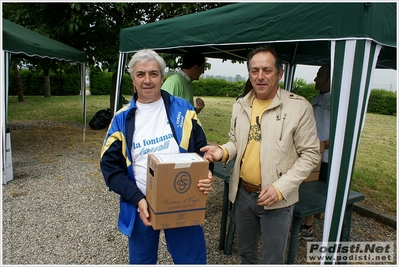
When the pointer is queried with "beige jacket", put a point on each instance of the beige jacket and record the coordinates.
(289, 146)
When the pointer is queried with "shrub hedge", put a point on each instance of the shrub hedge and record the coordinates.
(33, 83)
(307, 90)
(380, 102)
(101, 81)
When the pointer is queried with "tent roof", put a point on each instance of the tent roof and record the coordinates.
(20, 40)
(301, 31)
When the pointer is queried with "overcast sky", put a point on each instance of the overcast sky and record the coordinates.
(386, 79)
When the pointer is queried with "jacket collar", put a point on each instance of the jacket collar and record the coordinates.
(249, 98)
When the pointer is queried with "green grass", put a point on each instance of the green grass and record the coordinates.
(215, 118)
(376, 162)
(375, 167)
(56, 108)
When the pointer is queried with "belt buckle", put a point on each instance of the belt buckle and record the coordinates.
(257, 190)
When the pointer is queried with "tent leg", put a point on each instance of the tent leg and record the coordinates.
(121, 64)
(5, 157)
(83, 93)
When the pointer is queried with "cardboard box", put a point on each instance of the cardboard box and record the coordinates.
(314, 175)
(172, 193)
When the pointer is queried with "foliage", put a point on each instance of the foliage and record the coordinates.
(218, 87)
(62, 83)
(94, 26)
(100, 82)
(300, 87)
(67, 84)
(382, 102)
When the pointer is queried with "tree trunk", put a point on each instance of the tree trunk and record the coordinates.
(18, 83)
(47, 89)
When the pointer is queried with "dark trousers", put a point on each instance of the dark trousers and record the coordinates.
(254, 222)
(185, 244)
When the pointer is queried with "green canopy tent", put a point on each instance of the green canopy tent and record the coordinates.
(20, 41)
(355, 38)
(302, 32)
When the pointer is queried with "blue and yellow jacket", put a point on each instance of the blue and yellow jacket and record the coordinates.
(116, 158)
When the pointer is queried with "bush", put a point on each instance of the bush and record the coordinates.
(382, 102)
(67, 84)
(300, 87)
(33, 83)
(64, 83)
(101, 82)
(218, 87)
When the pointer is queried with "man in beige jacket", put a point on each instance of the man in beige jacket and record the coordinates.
(273, 140)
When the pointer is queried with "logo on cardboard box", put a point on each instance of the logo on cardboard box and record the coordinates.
(182, 182)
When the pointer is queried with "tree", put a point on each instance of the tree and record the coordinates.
(94, 27)
(17, 77)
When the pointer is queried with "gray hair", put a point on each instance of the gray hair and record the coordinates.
(144, 56)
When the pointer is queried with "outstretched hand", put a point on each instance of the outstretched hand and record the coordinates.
(212, 153)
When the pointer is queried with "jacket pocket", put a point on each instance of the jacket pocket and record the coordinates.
(127, 216)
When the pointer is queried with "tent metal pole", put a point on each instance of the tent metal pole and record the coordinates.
(290, 70)
(4, 115)
(292, 74)
(289, 76)
(83, 92)
(121, 64)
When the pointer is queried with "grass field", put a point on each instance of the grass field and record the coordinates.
(375, 169)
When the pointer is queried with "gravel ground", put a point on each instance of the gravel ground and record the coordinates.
(57, 209)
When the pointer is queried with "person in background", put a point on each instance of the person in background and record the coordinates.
(151, 113)
(274, 143)
(321, 110)
(180, 84)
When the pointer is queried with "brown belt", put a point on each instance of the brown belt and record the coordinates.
(251, 188)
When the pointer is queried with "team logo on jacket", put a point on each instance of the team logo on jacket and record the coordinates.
(179, 120)
(182, 182)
